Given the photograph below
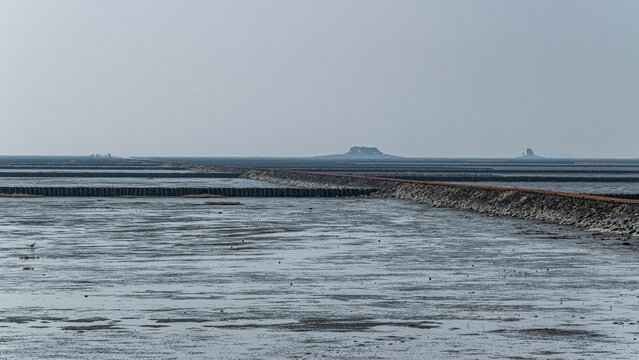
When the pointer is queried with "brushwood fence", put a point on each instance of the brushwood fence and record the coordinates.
(178, 191)
(523, 178)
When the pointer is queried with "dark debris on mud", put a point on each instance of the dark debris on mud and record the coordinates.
(182, 320)
(333, 325)
(91, 327)
(552, 333)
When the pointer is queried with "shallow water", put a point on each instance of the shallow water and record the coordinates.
(571, 187)
(123, 182)
(284, 278)
(65, 169)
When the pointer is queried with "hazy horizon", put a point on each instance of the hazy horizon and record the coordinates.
(460, 79)
(320, 156)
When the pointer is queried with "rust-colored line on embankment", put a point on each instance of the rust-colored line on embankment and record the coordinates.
(537, 191)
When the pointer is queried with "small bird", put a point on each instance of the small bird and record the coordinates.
(32, 245)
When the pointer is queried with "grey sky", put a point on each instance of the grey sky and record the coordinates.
(284, 78)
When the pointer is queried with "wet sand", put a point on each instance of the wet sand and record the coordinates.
(306, 278)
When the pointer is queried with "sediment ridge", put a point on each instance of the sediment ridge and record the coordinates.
(590, 212)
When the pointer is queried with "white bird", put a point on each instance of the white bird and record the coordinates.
(32, 245)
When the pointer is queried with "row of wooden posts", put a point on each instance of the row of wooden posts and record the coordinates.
(620, 196)
(448, 178)
(179, 191)
(519, 178)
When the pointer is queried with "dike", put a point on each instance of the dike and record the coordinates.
(595, 213)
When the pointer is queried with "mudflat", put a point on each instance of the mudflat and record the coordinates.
(309, 278)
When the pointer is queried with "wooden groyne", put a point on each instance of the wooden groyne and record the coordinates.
(87, 191)
(117, 174)
(213, 175)
(519, 178)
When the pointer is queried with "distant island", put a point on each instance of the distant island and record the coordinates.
(529, 154)
(360, 152)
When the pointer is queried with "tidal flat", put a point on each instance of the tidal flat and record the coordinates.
(172, 278)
